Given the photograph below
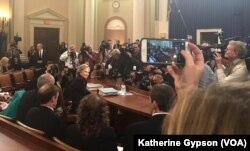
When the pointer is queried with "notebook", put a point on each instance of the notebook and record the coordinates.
(107, 91)
(93, 86)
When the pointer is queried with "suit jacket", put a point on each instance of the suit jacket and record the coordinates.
(46, 120)
(150, 127)
(76, 90)
(44, 59)
(28, 100)
(106, 141)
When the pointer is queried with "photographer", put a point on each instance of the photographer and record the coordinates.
(120, 64)
(135, 56)
(90, 57)
(105, 51)
(12, 53)
(70, 58)
(31, 56)
(236, 70)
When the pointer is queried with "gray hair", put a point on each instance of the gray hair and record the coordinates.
(239, 48)
(45, 79)
(115, 52)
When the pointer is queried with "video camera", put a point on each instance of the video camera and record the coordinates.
(17, 38)
(104, 45)
(208, 51)
(128, 47)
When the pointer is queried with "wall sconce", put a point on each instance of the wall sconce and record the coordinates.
(3, 21)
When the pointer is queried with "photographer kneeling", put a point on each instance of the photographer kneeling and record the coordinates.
(236, 70)
(70, 59)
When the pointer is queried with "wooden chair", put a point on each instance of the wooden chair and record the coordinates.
(29, 74)
(7, 118)
(64, 145)
(39, 132)
(5, 83)
(18, 80)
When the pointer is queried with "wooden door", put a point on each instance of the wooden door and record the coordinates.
(49, 37)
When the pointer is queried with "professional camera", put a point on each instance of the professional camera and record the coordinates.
(84, 48)
(62, 47)
(104, 45)
(17, 38)
(113, 73)
(72, 55)
(127, 47)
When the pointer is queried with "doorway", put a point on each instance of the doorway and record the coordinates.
(116, 29)
(49, 37)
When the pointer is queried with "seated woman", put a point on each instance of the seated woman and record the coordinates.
(92, 131)
(77, 88)
(16, 64)
(4, 64)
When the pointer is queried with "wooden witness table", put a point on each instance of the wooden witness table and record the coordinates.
(138, 103)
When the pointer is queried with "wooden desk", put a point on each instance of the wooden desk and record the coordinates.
(138, 102)
(14, 137)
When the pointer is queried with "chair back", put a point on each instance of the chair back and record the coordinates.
(39, 132)
(29, 74)
(5, 82)
(18, 79)
(64, 145)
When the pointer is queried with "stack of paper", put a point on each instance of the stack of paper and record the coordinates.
(93, 86)
(107, 91)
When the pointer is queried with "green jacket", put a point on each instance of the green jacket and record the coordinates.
(11, 110)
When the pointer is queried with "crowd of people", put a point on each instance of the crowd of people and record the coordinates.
(219, 95)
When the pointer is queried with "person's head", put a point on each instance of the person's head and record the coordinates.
(12, 45)
(89, 49)
(72, 48)
(235, 50)
(48, 65)
(83, 70)
(216, 110)
(32, 48)
(4, 61)
(162, 96)
(45, 79)
(39, 46)
(92, 113)
(48, 95)
(158, 79)
(110, 43)
(136, 48)
(115, 54)
(16, 60)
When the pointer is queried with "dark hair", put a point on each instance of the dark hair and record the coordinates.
(46, 92)
(92, 113)
(163, 95)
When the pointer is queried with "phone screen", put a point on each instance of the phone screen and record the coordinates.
(162, 51)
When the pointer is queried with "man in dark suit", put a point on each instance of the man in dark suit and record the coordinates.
(30, 99)
(41, 56)
(44, 117)
(162, 97)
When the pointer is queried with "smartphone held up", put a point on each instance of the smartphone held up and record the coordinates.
(162, 51)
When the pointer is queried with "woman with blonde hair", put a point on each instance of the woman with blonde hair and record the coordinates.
(4, 63)
(223, 109)
(215, 110)
(92, 131)
(77, 88)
